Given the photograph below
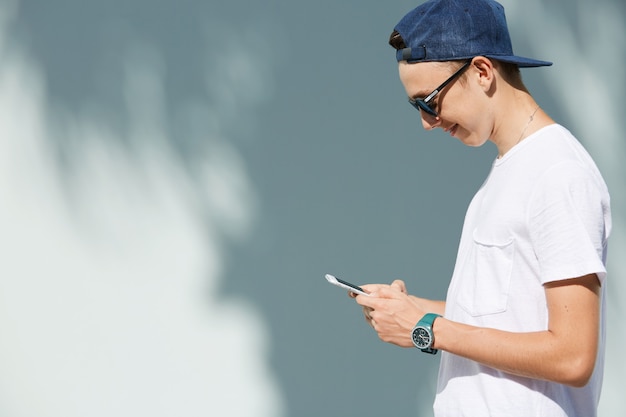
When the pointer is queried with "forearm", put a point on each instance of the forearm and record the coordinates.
(565, 352)
(540, 355)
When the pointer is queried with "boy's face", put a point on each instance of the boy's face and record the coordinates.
(458, 104)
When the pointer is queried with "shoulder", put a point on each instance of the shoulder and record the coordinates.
(555, 152)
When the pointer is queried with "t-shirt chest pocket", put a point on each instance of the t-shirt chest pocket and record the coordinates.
(485, 277)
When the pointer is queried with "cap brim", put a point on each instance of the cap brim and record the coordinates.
(521, 61)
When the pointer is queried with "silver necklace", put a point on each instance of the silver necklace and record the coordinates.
(530, 120)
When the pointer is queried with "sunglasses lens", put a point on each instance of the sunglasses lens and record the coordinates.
(423, 106)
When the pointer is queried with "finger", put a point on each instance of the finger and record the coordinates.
(372, 288)
(400, 285)
(389, 292)
(370, 302)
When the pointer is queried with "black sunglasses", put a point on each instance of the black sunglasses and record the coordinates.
(422, 103)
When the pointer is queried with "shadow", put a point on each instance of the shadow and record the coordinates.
(115, 224)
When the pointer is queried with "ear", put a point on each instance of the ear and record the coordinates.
(483, 71)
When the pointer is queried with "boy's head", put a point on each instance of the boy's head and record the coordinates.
(449, 30)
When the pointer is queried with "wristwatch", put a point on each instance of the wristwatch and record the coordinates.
(422, 335)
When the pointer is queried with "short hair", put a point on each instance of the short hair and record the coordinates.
(396, 40)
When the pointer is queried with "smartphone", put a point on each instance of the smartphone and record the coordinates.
(344, 284)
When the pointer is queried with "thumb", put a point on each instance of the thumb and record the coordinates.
(387, 292)
(399, 285)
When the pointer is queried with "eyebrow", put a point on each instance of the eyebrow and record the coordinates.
(420, 94)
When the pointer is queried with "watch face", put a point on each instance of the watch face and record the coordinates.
(421, 338)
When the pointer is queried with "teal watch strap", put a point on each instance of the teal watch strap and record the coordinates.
(425, 325)
(429, 319)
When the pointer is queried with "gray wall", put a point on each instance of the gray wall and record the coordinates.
(177, 177)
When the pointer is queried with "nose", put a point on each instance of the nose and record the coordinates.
(429, 122)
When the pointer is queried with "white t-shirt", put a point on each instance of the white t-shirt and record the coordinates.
(542, 215)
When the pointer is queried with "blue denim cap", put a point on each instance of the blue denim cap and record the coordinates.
(447, 30)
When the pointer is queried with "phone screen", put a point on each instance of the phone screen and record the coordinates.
(345, 284)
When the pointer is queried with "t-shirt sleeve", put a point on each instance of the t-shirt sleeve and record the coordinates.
(567, 219)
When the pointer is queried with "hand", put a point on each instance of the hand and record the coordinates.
(397, 284)
(391, 312)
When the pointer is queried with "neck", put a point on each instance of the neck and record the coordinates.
(519, 117)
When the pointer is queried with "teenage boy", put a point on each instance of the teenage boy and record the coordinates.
(522, 329)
